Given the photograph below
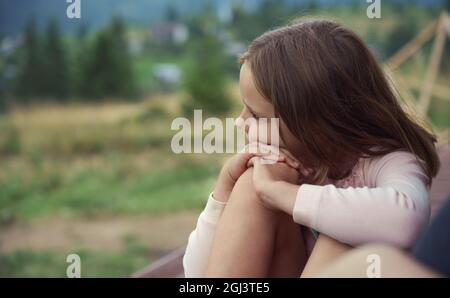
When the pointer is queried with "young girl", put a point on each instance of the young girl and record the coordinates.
(353, 168)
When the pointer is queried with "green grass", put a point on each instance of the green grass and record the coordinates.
(27, 263)
(94, 191)
(439, 112)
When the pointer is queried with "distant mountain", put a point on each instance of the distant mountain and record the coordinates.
(95, 13)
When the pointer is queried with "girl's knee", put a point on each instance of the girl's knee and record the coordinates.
(244, 189)
(244, 194)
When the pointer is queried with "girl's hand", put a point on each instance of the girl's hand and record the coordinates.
(276, 184)
(238, 164)
(264, 174)
(289, 159)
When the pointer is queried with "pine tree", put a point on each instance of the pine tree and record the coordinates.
(95, 75)
(80, 56)
(56, 77)
(121, 60)
(108, 70)
(29, 82)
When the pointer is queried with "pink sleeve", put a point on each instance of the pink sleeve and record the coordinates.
(198, 249)
(393, 210)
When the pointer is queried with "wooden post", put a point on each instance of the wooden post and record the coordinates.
(401, 87)
(439, 91)
(447, 26)
(411, 47)
(433, 67)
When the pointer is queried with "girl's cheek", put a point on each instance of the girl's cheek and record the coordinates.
(264, 133)
(260, 132)
(272, 133)
(269, 133)
(252, 133)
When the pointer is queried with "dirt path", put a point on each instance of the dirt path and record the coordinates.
(158, 233)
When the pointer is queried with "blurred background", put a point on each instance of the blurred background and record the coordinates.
(86, 107)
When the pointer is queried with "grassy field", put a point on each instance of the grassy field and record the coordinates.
(91, 161)
(51, 263)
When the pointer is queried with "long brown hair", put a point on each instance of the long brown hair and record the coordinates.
(328, 88)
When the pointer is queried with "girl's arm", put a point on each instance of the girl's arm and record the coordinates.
(195, 259)
(393, 211)
(200, 240)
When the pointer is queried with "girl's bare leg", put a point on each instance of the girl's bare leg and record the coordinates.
(393, 262)
(290, 250)
(254, 241)
(325, 251)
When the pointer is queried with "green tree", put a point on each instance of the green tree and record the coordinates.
(122, 68)
(245, 25)
(80, 54)
(272, 13)
(29, 82)
(171, 14)
(108, 70)
(97, 80)
(56, 76)
(205, 80)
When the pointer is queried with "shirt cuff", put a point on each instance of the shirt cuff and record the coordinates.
(213, 210)
(306, 205)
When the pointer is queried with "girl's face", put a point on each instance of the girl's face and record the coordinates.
(256, 106)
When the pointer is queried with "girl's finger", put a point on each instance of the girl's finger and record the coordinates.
(271, 156)
(244, 156)
(251, 161)
(253, 149)
(287, 152)
(292, 163)
(305, 172)
(260, 150)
